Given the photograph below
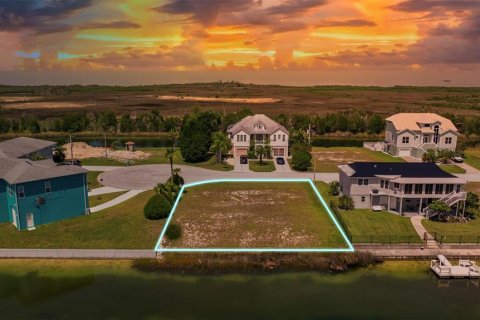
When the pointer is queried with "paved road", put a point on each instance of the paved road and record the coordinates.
(148, 176)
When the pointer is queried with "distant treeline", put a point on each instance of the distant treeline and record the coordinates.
(354, 122)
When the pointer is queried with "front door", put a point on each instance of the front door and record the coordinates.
(14, 217)
(30, 223)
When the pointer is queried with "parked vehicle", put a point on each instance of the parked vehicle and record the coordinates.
(76, 162)
(243, 159)
(457, 159)
(280, 160)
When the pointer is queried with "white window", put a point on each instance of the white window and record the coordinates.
(21, 192)
(363, 198)
(283, 139)
(274, 136)
(448, 140)
(405, 139)
(238, 138)
(48, 187)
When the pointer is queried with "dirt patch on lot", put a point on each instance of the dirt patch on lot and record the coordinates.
(254, 215)
(81, 150)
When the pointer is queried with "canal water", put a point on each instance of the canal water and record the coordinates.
(119, 292)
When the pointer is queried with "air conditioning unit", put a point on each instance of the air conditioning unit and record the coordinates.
(40, 201)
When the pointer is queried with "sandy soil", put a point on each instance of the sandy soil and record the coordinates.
(19, 98)
(81, 150)
(231, 100)
(47, 105)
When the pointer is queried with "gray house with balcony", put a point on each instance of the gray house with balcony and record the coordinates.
(412, 134)
(402, 188)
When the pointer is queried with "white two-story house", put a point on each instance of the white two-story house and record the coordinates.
(261, 129)
(412, 134)
(400, 187)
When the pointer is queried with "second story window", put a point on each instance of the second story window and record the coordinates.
(21, 192)
(448, 188)
(363, 182)
(396, 186)
(387, 184)
(405, 139)
(428, 188)
(274, 138)
(418, 188)
(382, 184)
(408, 188)
(283, 139)
(448, 140)
(459, 187)
(439, 189)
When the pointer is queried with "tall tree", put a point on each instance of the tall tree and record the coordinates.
(220, 144)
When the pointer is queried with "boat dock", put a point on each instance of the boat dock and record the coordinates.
(445, 270)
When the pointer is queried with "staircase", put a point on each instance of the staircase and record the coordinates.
(450, 199)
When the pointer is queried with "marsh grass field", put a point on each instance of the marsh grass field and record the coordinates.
(254, 215)
(47, 101)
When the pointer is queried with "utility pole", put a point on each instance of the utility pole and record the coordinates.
(309, 130)
(71, 149)
(314, 166)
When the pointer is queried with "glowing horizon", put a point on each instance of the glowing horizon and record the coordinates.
(411, 36)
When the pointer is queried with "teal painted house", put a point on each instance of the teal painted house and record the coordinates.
(33, 193)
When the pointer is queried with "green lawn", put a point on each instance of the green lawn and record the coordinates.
(94, 201)
(328, 159)
(451, 231)
(158, 157)
(267, 166)
(472, 157)
(254, 215)
(451, 168)
(366, 226)
(92, 179)
(120, 227)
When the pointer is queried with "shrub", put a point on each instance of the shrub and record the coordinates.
(346, 203)
(177, 180)
(174, 231)
(334, 188)
(301, 160)
(157, 207)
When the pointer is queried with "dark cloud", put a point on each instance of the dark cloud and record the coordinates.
(206, 11)
(346, 23)
(111, 25)
(429, 5)
(40, 16)
(294, 7)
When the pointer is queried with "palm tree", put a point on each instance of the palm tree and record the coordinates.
(170, 154)
(260, 152)
(220, 144)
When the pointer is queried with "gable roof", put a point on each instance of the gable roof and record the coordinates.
(247, 125)
(22, 146)
(411, 121)
(23, 170)
(403, 169)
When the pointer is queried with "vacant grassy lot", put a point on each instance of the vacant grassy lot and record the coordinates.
(377, 227)
(254, 215)
(451, 232)
(472, 157)
(267, 166)
(102, 198)
(451, 168)
(92, 179)
(327, 159)
(120, 227)
(158, 157)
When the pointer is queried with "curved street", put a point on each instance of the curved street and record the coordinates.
(145, 177)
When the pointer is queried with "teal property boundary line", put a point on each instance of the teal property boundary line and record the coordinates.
(160, 249)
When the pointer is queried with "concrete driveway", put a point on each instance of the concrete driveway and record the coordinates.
(282, 167)
(238, 167)
(148, 176)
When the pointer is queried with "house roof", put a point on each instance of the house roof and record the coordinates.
(23, 170)
(248, 123)
(400, 169)
(22, 146)
(413, 121)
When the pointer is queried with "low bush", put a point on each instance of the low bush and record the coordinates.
(174, 231)
(157, 207)
(301, 160)
(345, 203)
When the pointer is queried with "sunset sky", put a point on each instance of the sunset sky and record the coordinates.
(410, 37)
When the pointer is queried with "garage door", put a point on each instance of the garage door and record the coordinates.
(240, 152)
(278, 152)
(404, 152)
